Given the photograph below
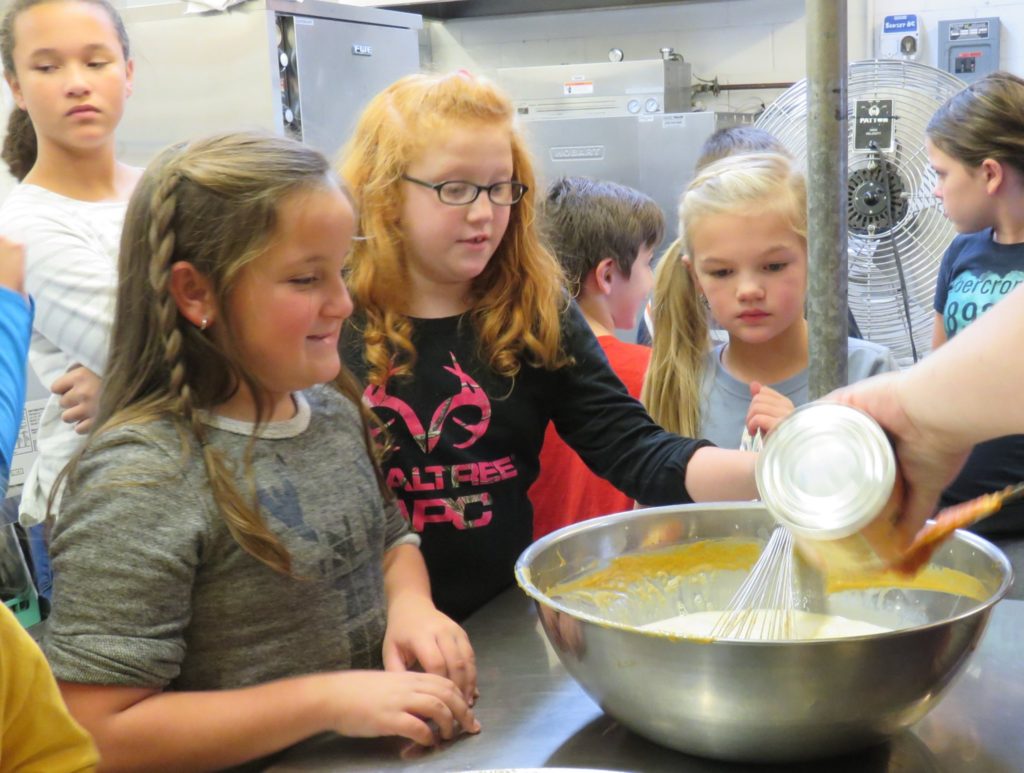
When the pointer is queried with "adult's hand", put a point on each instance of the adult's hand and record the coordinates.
(927, 459)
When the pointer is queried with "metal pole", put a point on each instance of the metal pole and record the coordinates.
(827, 70)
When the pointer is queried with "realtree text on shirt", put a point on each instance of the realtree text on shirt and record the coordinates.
(975, 274)
(466, 445)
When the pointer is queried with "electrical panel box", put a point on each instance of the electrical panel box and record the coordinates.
(969, 48)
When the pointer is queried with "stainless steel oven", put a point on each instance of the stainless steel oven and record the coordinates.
(306, 68)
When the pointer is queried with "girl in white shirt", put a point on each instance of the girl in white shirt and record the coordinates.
(68, 65)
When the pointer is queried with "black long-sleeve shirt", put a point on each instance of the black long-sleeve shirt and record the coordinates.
(467, 444)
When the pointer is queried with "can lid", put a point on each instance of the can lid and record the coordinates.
(826, 470)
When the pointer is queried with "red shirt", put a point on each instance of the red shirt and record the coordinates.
(566, 491)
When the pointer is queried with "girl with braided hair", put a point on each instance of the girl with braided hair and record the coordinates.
(231, 570)
(69, 67)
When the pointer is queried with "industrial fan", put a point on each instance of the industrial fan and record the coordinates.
(897, 232)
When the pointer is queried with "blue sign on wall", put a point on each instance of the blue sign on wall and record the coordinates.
(906, 22)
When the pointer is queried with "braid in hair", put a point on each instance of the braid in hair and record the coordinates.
(241, 517)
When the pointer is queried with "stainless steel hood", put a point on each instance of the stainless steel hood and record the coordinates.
(458, 9)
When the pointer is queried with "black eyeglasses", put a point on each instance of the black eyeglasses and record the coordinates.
(459, 193)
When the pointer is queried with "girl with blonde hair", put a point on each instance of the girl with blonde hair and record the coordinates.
(230, 569)
(742, 258)
(468, 344)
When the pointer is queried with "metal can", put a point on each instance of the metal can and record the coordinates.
(828, 473)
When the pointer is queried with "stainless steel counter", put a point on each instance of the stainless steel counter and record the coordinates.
(534, 715)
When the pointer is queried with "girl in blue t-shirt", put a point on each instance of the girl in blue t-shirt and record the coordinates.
(975, 143)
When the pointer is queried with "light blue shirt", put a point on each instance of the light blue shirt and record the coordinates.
(725, 399)
(15, 329)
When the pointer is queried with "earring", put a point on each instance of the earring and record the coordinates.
(704, 301)
(204, 323)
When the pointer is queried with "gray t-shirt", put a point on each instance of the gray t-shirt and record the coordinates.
(725, 399)
(152, 590)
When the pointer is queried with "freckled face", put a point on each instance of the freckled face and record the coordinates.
(288, 305)
(753, 271)
(447, 246)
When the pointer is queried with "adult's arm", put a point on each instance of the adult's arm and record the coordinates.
(969, 390)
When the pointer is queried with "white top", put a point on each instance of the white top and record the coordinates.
(71, 251)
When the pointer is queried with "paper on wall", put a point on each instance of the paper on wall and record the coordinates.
(25, 448)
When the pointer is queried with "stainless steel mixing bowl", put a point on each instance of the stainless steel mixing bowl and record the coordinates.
(751, 701)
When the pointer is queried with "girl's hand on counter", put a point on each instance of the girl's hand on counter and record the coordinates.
(367, 704)
(418, 633)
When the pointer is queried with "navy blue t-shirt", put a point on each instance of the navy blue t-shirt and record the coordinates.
(975, 274)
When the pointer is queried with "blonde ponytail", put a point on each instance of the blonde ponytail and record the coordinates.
(672, 388)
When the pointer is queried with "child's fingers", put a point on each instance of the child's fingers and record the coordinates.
(460, 662)
(430, 706)
(760, 422)
(74, 414)
(448, 655)
(63, 384)
(439, 699)
(393, 659)
(412, 727)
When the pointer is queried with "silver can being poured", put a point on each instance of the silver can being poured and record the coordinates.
(829, 474)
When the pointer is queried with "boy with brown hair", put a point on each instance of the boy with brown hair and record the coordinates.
(604, 235)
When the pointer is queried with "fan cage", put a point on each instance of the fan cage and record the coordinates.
(891, 210)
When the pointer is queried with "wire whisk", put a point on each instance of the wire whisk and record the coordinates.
(762, 609)
(750, 442)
